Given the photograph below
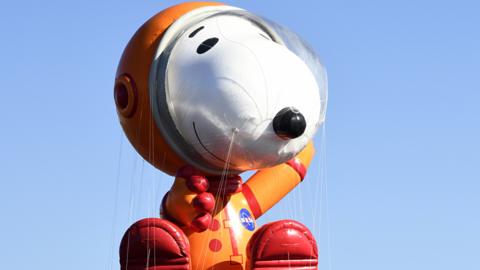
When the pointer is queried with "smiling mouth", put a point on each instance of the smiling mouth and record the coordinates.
(206, 149)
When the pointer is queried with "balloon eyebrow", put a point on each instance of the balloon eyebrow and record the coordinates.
(195, 31)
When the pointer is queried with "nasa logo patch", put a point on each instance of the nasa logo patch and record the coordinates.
(247, 220)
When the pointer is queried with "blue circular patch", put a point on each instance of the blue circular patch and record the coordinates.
(247, 220)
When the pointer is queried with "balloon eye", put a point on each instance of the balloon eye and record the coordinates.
(207, 45)
(125, 95)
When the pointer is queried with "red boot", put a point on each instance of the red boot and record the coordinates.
(154, 244)
(284, 244)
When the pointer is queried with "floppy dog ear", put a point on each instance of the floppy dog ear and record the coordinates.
(131, 88)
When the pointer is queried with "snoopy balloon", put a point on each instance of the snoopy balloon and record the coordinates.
(204, 92)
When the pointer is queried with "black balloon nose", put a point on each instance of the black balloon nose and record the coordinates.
(289, 123)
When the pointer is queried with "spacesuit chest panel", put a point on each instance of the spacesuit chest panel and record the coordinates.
(224, 243)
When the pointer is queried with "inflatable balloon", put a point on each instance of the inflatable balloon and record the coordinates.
(205, 92)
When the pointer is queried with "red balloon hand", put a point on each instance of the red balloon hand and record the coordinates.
(203, 203)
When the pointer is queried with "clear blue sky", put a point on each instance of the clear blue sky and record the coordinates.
(402, 135)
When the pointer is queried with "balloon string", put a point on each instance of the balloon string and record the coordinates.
(327, 220)
(131, 203)
(324, 196)
(318, 193)
(317, 210)
(219, 195)
(151, 156)
(115, 203)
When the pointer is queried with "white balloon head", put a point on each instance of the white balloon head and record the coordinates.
(232, 91)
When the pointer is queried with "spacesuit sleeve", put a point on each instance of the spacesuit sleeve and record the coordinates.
(268, 186)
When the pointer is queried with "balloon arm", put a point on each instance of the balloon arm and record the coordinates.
(188, 204)
(268, 186)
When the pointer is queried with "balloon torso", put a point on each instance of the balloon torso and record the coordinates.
(223, 245)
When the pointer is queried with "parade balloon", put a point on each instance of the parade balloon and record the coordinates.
(204, 92)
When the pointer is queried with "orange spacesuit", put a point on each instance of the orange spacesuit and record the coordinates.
(208, 218)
